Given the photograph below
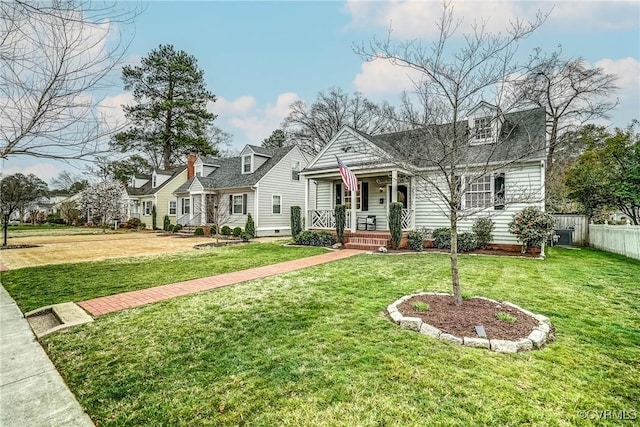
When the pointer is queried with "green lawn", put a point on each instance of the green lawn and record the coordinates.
(313, 348)
(36, 287)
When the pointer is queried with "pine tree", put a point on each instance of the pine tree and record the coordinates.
(170, 114)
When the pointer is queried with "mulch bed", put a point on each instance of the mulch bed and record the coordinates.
(18, 247)
(461, 320)
(494, 252)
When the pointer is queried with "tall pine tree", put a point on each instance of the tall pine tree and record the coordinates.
(170, 114)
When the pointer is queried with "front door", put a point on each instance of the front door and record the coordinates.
(403, 195)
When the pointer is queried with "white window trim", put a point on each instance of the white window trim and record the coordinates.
(169, 208)
(358, 196)
(273, 205)
(146, 204)
(492, 199)
(250, 163)
(233, 208)
(182, 205)
(154, 181)
(293, 170)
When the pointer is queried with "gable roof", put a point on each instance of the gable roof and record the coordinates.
(147, 190)
(229, 173)
(522, 137)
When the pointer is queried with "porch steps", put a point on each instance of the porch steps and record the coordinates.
(368, 241)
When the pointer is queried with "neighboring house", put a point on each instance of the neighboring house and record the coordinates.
(262, 182)
(143, 192)
(390, 168)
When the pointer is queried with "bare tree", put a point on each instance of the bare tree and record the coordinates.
(569, 90)
(311, 127)
(55, 58)
(446, 152)
(217, 212)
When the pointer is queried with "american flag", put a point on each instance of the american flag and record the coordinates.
(349, 179)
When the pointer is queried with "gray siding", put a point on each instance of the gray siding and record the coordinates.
(358, 152)
(523, 188)
(278, 182)
(237, 220)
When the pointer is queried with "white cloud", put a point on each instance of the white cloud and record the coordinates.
(44, 171)
(249, 122)
(628, 72)
(381, 77)
(110, 109)
(241, 105)
(411, 19)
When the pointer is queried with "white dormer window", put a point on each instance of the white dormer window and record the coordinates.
(247, 163)
(198, 169)
(154, 181)
(132, 182)
(482, 128)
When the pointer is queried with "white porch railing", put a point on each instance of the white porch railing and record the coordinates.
(185, 219)
(407, 219)
(326, 219)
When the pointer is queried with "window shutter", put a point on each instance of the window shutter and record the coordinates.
(244, 204)
(338, 194)
(365, 196)
(498, 191)
(230, 204)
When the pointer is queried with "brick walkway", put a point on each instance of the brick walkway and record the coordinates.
(108, 304)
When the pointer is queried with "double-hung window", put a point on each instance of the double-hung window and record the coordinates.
(237, 204)
(186, 205)
(246, 163)
(172, 207)
(146, 208)
(295, 171)
(482, 126)
(276, 205)
(478, 194)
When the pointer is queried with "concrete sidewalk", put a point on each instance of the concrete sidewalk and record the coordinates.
(32, 392)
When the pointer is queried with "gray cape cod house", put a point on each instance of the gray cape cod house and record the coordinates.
(502, 169)
(262, 182)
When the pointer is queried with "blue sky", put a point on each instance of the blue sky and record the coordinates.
(258, 57)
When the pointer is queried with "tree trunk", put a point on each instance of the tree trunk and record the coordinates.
(455, 278)
(5, 229)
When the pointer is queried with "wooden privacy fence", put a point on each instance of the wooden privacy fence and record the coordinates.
(579, 223)
(620, 239)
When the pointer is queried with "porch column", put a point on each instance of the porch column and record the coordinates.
(354, 211)
(394, 186)
(203, 209)
(306, 203)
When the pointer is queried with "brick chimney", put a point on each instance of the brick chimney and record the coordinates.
(191, 160)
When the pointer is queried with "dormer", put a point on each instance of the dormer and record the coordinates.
(138, 180)
(252, 157)
(158, 177)
(485, 124)
(204, 165)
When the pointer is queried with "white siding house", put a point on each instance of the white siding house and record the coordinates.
(262, 182)
(501, 170)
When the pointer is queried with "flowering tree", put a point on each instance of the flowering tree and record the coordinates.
(531, 226)
(103, 200)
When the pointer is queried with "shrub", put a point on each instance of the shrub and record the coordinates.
(341, 218)
(245, 236)
(170, 228)
(166, 222)
(250, 227)
(531, 226)
(415, 240)
(177, 228)
(315, 238)
(296, 223)
(198, 232)
(395, 223)
(442, 238)
(133, 223)
(482, 228)
(466, 242)
(421, 306)
(213, 230)
(154, 215)
(225, 230)
(237, 231)
(142, 225)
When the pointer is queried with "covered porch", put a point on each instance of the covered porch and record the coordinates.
(366, 209)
